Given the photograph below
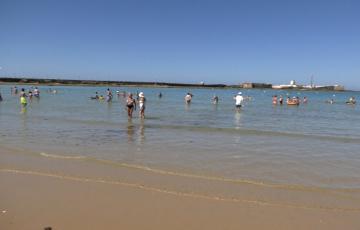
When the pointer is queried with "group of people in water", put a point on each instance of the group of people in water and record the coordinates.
(32, 92)
(109, 96)
(289, 101)
(297, 101)
(132, 103)
(351, 101)
(239, 99)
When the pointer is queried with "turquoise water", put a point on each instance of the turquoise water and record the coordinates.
(314, 144)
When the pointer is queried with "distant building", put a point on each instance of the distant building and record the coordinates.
(339, 88)
(247, 85)
(292, 85)
(250, 85)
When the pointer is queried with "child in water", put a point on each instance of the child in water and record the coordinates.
(23, 100)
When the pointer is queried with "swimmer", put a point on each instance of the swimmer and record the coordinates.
(351, 101)
(238, 100)
(330, 101)
(96, 97)
(188, 98)
(142, 101)
(130, 105)
(293, 101)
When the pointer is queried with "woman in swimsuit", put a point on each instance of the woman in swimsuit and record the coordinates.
(142, 101)
(130, 104)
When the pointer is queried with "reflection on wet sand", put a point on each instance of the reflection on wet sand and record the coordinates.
(141, 138)
(139, 132)
(23, 110)
(130, 130)
(237, 119)
(187, 106)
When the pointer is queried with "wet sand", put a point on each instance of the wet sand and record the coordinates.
(65, 193)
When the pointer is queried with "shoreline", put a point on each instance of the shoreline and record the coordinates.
(76, 194)
(69, 82)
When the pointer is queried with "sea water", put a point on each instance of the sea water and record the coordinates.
(314, 144)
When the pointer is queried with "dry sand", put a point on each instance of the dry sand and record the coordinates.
(38, 191)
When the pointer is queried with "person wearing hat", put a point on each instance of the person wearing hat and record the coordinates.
(238, 100)
(142, 101)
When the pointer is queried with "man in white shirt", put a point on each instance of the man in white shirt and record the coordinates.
(238, 100)
(188, 98)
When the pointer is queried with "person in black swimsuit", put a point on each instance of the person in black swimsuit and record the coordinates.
(130, 104)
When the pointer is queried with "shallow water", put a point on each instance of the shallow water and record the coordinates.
(314, 144)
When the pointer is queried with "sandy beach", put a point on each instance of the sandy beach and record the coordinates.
(188, 115)
(40, 191)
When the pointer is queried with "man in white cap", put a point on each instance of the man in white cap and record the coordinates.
(142, 101)
(238, 100)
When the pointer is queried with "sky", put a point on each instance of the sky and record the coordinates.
(183, 41)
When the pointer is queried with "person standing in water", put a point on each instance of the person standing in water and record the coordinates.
(15, 90)
(188, 98)
(238, 100)
(305, 100)
(160, 95)
(351, 101)
(36, 92)
(281, 100)
(130, 105)
(142, 101)
(23, 100)
(108, 95)
(215, 99)
(275, 100)
(30, 95)
(1, 97)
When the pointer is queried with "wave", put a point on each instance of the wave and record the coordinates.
(256, 132)
(62, 156)
(179, 193)
(205, 177)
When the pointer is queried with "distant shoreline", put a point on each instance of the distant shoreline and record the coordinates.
(70, 82)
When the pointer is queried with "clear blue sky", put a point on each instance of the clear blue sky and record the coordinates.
(183, 41)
